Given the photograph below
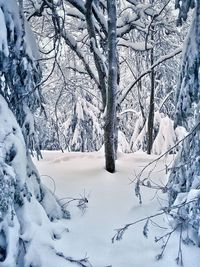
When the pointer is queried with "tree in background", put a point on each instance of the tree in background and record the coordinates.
(152, 101)
(83, 27)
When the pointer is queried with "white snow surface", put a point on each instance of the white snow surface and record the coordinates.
(112, 203)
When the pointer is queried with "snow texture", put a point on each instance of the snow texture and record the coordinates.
(111, 205)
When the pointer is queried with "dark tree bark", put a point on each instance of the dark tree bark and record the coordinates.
(151, 109)
(151, 104)
(110, 120)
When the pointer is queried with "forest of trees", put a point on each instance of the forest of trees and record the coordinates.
(77, 75)
(148, 44)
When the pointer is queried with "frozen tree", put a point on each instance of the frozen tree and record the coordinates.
(79, 43)
(82, 129)
(110, 120)
(184, 179)
(61, 126)
(154, 93)
(29, 213)
(164, 134)
(87, 37)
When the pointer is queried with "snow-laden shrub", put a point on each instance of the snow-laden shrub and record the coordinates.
(27, 207)
(165, 136)
(82, 128)
(29, 213)
(184, 180)
(20, 72)
(123, 144)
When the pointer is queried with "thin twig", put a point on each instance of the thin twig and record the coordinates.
(169, 150)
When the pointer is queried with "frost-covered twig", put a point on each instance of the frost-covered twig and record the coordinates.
(179, 258)
(81, 202)
(120, 232)
(82, 262)
(164, 154)
(181, 223)
(54, 184)
(165, 210)
(168, 235)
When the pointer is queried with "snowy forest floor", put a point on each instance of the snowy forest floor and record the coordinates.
(112, 203)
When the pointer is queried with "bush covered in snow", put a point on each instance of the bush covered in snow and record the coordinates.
(165, 136)
(184, 180)
(82, 128)
(29, 213)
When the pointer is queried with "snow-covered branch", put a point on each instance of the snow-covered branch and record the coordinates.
(162, 59)
(137, 46)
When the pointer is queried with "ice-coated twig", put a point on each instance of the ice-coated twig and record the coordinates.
(165, 210)
(84, 262)
(81, 202)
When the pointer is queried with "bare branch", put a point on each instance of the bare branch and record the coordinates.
(122, 97)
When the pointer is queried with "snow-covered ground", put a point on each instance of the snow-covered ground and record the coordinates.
(112, 203)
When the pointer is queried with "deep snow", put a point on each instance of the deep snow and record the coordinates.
(112, 203)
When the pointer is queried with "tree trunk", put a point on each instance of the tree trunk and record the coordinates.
(110, 120)
(151, 105)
